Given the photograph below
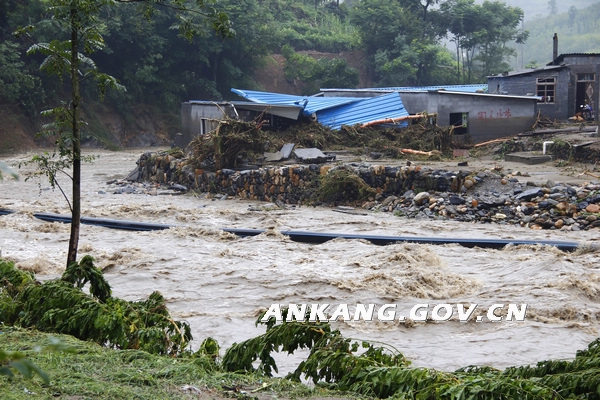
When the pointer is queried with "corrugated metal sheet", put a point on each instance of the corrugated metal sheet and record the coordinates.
(309, 104)
(453, 88)
(363, 111)
(285, 111)
(336, 111)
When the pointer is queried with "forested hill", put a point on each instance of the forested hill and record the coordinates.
(539, 9)
(297, 46)
(578, 31)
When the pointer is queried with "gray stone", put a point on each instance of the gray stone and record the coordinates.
(456, 200)
(126, 190)
(491, 200)
(286, 150)
(273, 157)
(311, 155)
(420, 198)
(529, 194)
(178, 187)
(388, 200)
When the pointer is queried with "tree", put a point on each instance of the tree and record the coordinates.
(81, 36)
(481, 33)
(498, 26)
(572, 16)
(460, 17)
(15, 82)
(552, 7)
(387, 31)
(311, 74)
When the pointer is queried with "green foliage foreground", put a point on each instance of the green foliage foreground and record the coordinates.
(334, 362)
(61, 305)
(380, 371)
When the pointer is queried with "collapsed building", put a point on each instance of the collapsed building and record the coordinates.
(467, 108)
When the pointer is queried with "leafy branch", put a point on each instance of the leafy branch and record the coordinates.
(61, 306)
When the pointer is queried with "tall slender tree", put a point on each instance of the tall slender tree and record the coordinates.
(80, 20)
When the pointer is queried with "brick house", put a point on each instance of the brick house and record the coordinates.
(563, 85)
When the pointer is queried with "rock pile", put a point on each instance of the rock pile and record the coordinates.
(411, 191)
(503, 201)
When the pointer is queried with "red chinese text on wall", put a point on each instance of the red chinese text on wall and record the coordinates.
(500, 113)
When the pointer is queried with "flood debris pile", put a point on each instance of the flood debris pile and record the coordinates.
(228, 146)
(235, 144)
(230, 162)
(413, 191)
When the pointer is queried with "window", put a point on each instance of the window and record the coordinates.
(586, 77)
(460, 122)
(545, 89)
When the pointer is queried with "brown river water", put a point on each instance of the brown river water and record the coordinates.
(219, 282)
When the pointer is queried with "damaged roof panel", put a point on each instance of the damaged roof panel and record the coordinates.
(453, 88)
(334, 112)
(285, 111)
(309, 104)
(363, 111)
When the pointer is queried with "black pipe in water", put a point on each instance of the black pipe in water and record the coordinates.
(314, 237)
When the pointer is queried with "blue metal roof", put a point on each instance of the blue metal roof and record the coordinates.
(336, 111)
(310, 104)
(363, 111)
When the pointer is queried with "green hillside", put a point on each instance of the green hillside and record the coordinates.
(578, 32)
(535, 9)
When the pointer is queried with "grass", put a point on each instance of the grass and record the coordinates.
(85, 370)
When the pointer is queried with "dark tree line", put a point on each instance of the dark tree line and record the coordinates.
(405, 42)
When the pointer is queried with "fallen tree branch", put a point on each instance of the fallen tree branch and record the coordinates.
(493, 141)
(590, 174)
(419, 152)
(392, 120)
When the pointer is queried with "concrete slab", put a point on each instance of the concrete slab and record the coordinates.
(310, 155)
(134, 175)
(286, 150)
(273, 157)
(527, 157)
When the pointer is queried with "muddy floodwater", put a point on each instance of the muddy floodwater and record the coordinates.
(219, 282)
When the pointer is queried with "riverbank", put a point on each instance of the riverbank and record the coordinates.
(84, 370)
(552, 195)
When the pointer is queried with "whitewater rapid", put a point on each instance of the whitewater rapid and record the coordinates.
(219, 282)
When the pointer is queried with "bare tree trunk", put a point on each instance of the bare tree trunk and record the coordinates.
(75, 102)
(458, 51)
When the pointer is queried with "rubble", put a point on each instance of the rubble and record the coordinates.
(412, 191)
(552, 206)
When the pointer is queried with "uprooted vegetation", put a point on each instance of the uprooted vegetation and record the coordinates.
(234, 143)
(61, 305)
(383, 372)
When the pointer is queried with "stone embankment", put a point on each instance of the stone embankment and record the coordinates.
(411, 191)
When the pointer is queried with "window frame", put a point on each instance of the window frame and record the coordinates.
(546, 89)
